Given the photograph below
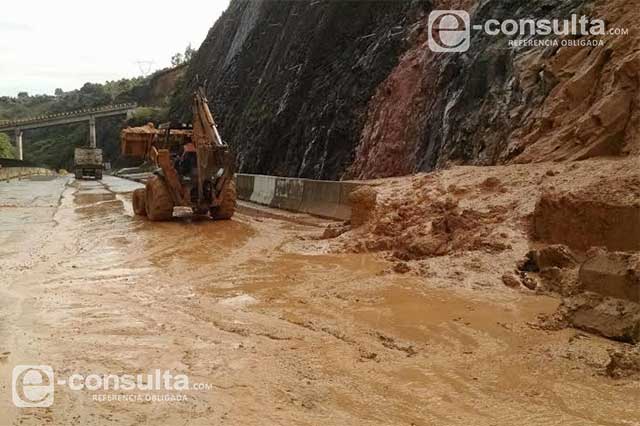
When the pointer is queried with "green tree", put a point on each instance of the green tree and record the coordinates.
(176, 59)
(183, 58)
(6, 149)
(188, 53)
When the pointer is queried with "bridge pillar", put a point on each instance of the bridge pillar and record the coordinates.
(92, 132)
(19, 143)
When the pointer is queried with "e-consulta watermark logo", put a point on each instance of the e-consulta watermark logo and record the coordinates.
(33, 386)
(450, 31)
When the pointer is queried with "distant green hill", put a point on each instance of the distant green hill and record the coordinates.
(54, 146)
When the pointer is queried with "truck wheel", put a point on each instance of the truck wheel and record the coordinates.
(78, 174)
(227, 206)
(98, 174)
(140, 202)
(159, 204)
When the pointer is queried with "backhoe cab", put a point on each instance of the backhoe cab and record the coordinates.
(195, 167)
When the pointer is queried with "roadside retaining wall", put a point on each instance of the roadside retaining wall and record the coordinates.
(328, 199)
(7, 173)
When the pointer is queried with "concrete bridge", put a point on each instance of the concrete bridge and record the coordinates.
(18, 126)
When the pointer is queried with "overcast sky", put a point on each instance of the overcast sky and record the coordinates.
(46, 44)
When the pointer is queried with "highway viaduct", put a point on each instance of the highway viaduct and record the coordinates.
(17, 127)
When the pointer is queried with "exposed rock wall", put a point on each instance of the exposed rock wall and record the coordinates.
(592, 109)
(293, 94)
(326, 89)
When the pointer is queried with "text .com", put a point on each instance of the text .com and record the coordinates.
(451, 30)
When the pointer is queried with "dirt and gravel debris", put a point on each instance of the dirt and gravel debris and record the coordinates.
(422, 223)
(624, 363)
(363, 203)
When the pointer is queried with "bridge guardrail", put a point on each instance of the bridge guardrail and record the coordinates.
(69, 114)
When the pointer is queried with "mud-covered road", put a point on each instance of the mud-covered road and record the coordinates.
(279, 331)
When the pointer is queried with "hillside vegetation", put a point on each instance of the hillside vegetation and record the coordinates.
(6, 149)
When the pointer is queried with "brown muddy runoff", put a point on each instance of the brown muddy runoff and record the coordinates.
(283, 330)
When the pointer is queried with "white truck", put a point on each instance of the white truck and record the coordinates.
(88, 163)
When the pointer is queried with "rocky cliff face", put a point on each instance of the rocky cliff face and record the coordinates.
(327, 89)
(290, 81)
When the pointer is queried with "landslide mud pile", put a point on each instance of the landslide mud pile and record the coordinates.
(329, 89)
(577, 204)
(571, 229)
(423, 221)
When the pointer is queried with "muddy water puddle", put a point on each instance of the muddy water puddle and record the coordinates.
(418, 313)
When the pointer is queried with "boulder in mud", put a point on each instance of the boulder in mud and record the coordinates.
(511, 280)
(615, 319)
(624, 363)
(554, 256)
(612, 274)
(401, 268)
(333, 231)
(529, 281)
(556, 266)
(585, 220)
(561, 280)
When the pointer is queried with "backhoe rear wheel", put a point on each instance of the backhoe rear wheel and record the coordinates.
(159, 204)
(140, 202)
(227, 206)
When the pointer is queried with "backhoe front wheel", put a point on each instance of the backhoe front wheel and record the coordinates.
(227, 206)
(159, 205)
(139, 202)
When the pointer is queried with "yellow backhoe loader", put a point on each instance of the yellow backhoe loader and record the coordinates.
(194, 168)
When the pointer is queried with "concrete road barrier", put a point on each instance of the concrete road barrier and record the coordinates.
(244, 186)
(7, 173)
(323, 199)
(329, 199)
(264, 190)
(289, 194)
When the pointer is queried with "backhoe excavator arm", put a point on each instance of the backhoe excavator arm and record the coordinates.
(204, 127)
(213, 154)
